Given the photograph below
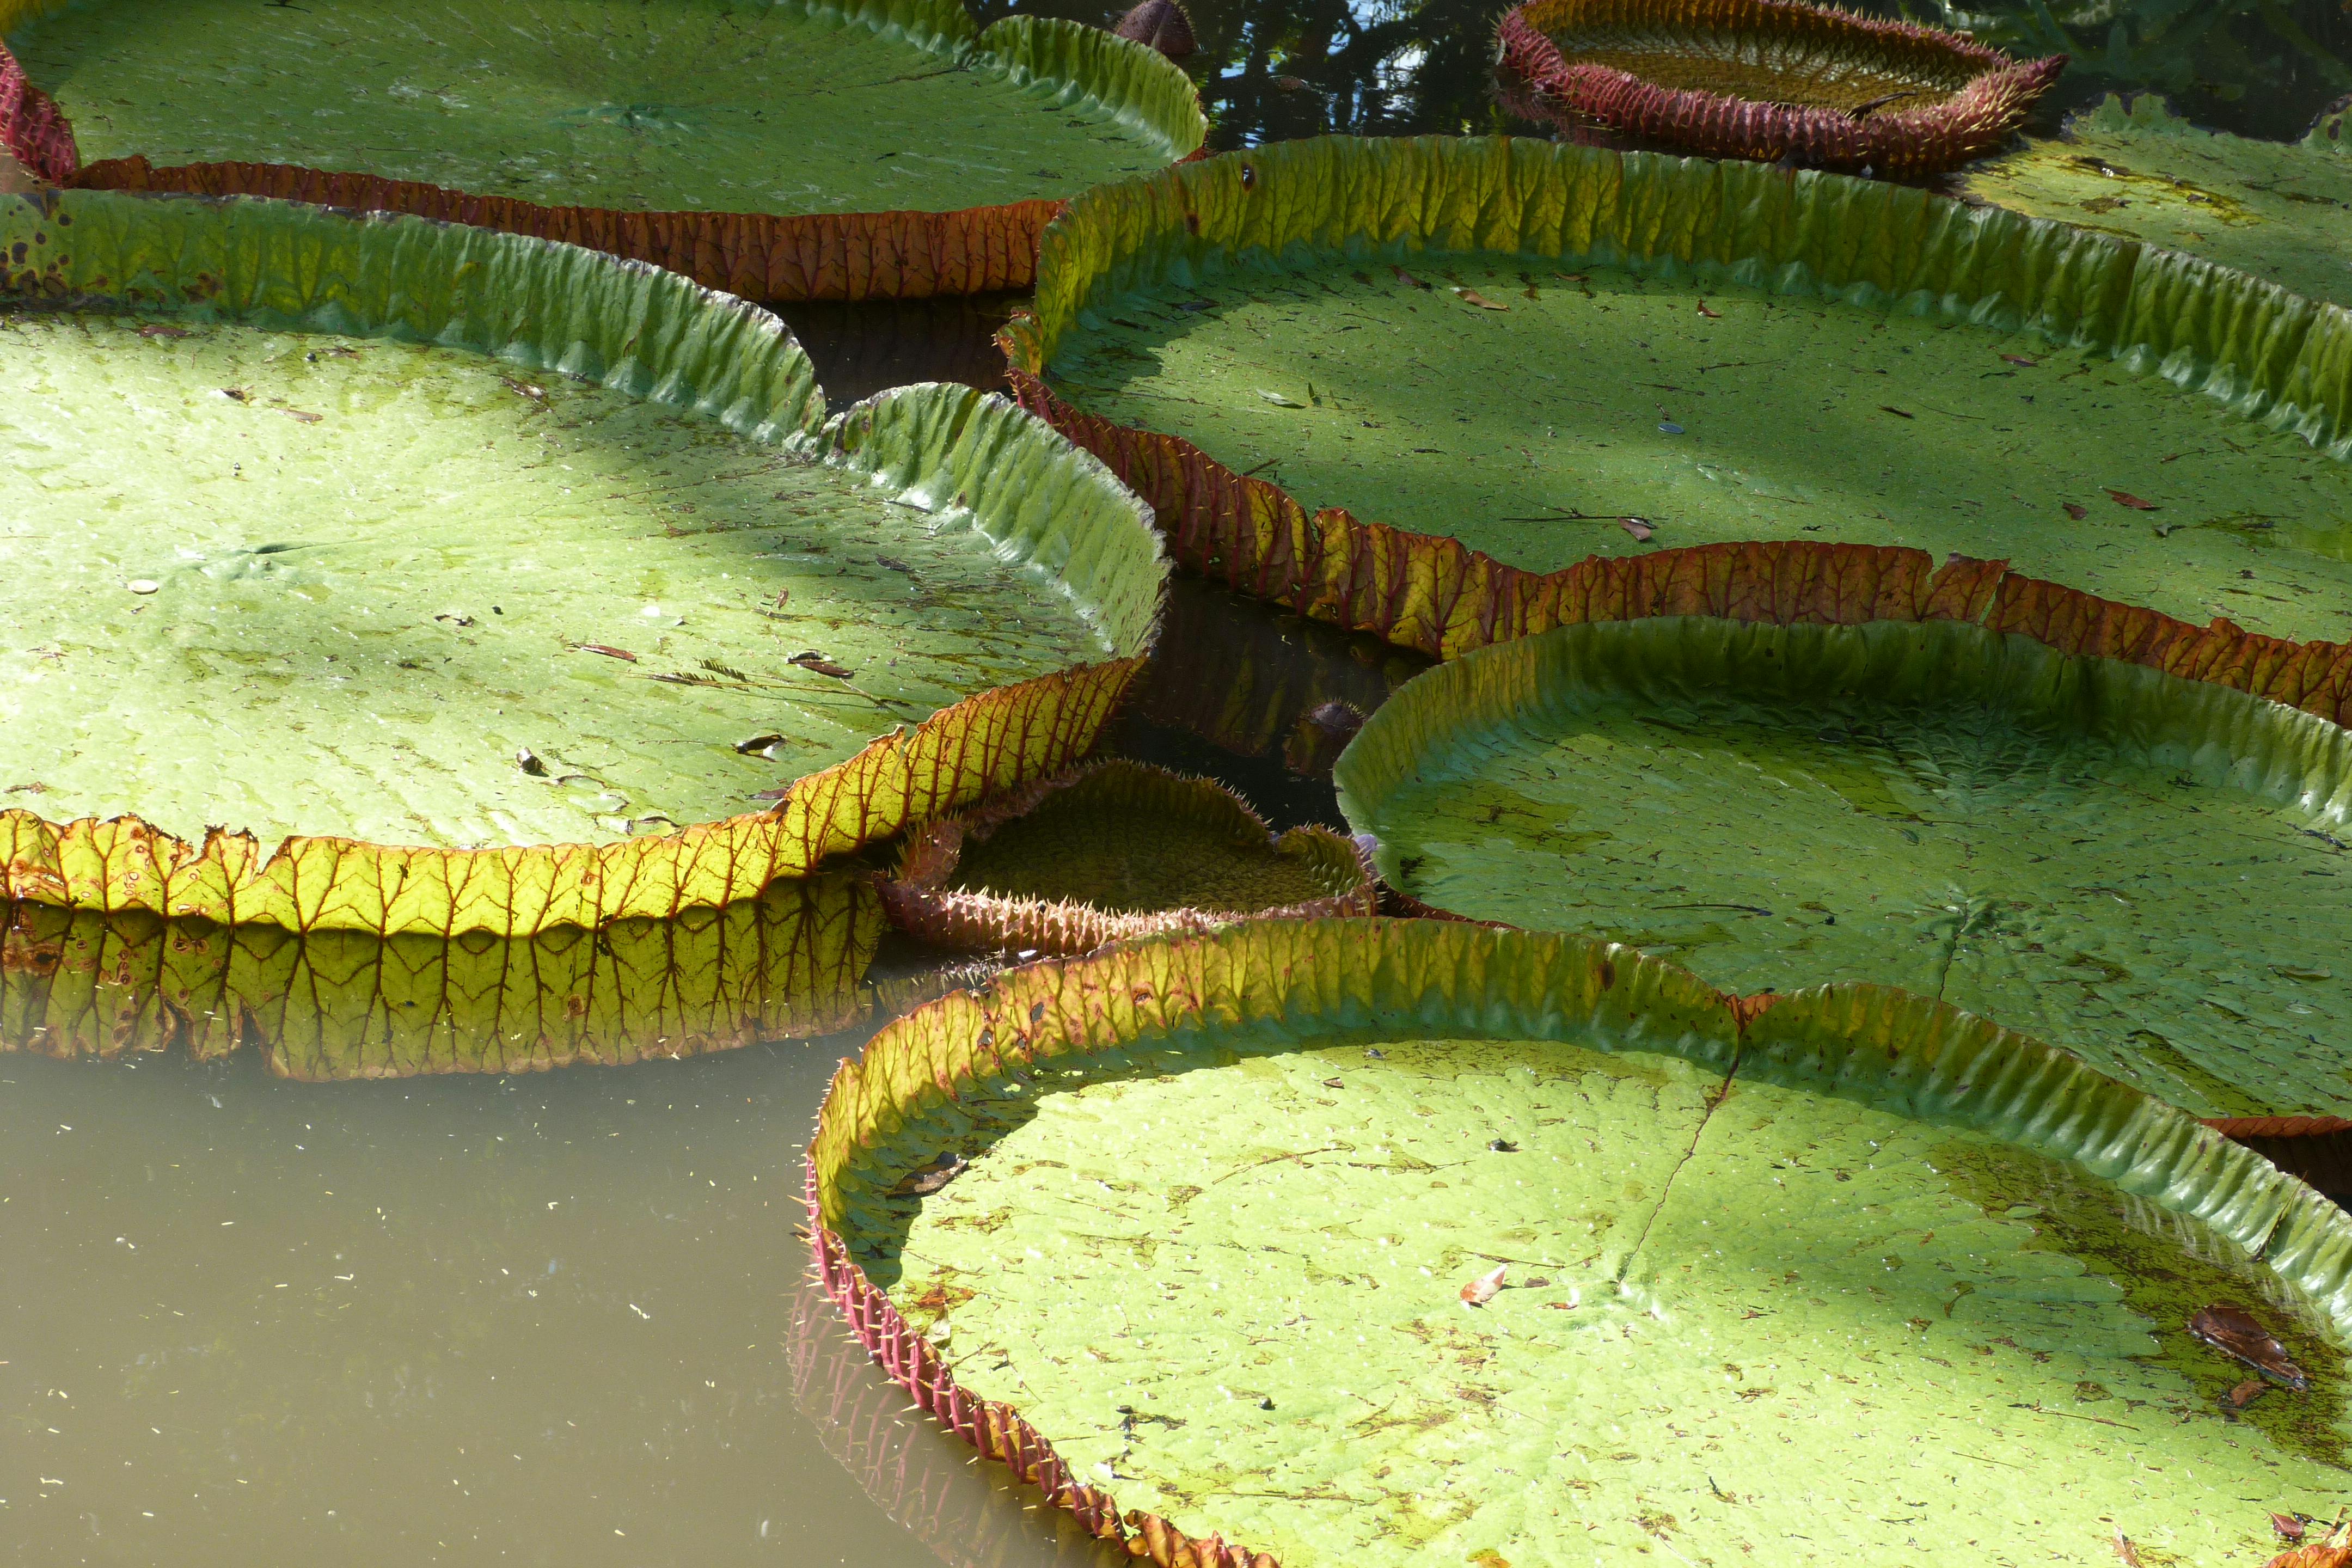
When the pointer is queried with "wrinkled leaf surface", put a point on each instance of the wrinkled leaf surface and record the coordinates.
(2152, 873)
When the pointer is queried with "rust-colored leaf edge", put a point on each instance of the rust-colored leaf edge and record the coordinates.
(1433, 594)
(2269, 355)
(918, 900)
(1971, 122)
(1482, 983)
(821, 256)
(660, 337)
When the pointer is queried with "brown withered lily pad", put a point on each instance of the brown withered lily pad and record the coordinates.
(1116, 850)
(1771, 80)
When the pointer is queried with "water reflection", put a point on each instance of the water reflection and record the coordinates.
(969, 1515)
(521, 1320)
(343, 1005)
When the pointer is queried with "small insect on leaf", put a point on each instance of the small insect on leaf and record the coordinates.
(2021, 360)
(162, 332)
(236, 394)
(813, 661)
(303, 415)
(1710, 315)
(454, 619)
(2289, 1527)
(2124, 498)
(1502, 1146)
(784, 597)
(608, 652)
(1406, 277)
(2245, 1393)
(2235, 1332)
(1280, 400)
(532, 390)
(922, 1184)
(759, 743)
(1472, 297)
(528, 763)
(2075, 510)
(1639, 528)
(1333, 1083)
(1485, 1288)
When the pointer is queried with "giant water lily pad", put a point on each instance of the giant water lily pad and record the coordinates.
(1820, 1282)
(2151, 872)
(1489, 360)
(677, 130)
(2281, 211)
(1110, 852)
(374, 533)
(1771, 80)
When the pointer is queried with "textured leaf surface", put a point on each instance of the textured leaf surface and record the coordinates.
(2282, 210)
(2149, 872)
(1761, 1284)
(345, 1004)
(1113, 851)
(1520, 438)
(684, 105)
(619, 566)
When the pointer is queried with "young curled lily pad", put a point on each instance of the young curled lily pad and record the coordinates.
(2153, 873)
(2279, 210)
(1771, 80)
(1112, 851)
(1694, 353)
(800, 150)
(1403, 1243)
(500, 585)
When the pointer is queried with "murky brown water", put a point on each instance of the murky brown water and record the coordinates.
(556, 1318)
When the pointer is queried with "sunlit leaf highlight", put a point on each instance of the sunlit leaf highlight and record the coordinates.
(939, 461)
(1455, 476)
(1803, 1232)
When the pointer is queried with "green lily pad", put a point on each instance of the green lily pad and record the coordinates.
(1113, 851)
(1547, 353)
(2281, 211)
(2153, 873)
(1862, 1274)
(384, 531)
(678, 105)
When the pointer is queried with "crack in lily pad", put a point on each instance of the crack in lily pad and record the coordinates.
(2279, 210)
(2149, 872)
(677, 105)
(1823, 1284)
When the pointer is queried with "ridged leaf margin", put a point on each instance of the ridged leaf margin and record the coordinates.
(659, 336)
(1285, 980)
